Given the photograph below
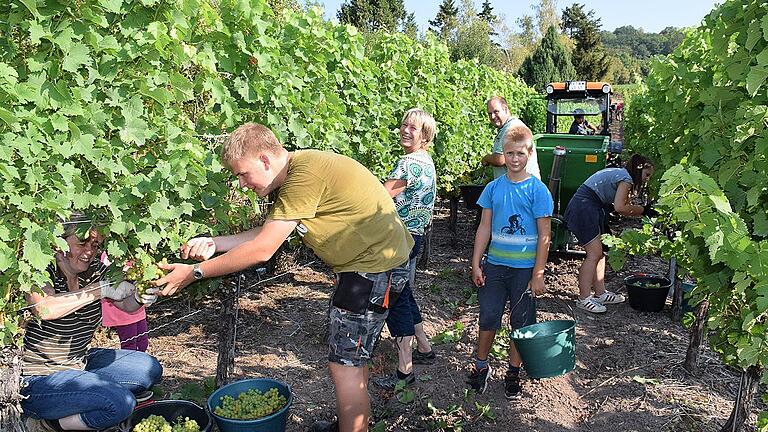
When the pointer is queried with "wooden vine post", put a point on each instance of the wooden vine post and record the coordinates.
(677, 291)
(229, 295)
(426, 247)
(453, 217)
(10, 381)
(697, 338)
(748, 383)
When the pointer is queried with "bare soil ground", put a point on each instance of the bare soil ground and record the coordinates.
(628, 374)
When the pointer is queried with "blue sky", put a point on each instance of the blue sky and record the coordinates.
(650, 15)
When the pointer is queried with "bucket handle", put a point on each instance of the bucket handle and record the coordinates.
(569, 307)
(530, 293)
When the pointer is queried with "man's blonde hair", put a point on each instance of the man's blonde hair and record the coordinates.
(519, 133)
(249, 139)
(425, 121)
(499, 99)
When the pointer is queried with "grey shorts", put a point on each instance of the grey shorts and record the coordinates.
(359, 306)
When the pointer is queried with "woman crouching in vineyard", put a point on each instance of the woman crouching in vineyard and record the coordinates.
(66, 385)
(587, 218)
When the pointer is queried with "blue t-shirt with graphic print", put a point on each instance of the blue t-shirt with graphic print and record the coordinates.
(515, 207)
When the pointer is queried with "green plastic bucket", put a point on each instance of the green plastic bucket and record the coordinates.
(548, 348)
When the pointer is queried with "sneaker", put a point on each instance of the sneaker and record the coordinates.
(325, 426)
(478, 379)
(608, 297)
(37, 425)
(512, 388)
(590, 304)
(390, 382)
(421, 358)
(144, 396)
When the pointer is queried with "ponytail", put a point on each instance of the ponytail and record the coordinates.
(634, 167)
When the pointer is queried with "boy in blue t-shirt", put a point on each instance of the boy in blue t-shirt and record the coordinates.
(516, 221)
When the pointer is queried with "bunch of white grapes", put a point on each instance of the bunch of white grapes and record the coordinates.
(156, 423)
(251, 404)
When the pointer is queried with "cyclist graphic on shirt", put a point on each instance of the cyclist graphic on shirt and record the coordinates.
(515, 225)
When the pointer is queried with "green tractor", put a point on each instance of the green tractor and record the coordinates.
(566, 159)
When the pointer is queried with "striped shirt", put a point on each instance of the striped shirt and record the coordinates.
(61, 344)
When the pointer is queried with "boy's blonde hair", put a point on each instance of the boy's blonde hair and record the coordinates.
(249, 139)
(518, 133)
(425, 120)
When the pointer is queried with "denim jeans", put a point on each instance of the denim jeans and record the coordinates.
(506, 285)
(404, 314)
(102, 393)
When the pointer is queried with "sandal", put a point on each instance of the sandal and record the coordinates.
(590, 304)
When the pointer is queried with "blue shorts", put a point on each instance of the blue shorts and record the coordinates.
(506, 285)
(404, 313)
(586, 216)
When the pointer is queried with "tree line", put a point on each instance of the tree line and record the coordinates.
(545, 45)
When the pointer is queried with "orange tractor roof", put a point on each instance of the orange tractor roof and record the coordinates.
(591, 85)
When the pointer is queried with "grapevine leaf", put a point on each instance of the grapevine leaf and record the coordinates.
(32, 6)
(111, 5)
(721, 203)
(135, 129)
(762, 58)
(760, 221)
(34, 255)
(765, 27)
(76, 56)
(7, 256)
(7, 117)
(37, 32)
(755, 79)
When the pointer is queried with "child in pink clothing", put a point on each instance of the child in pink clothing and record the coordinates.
(131, 327)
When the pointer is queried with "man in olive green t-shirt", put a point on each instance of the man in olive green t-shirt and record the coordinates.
(346, 216)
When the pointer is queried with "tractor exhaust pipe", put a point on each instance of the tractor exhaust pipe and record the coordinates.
(554, 176)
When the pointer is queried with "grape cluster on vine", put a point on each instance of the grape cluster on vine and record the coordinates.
(156, 423)
(141, 276)
(250, 405)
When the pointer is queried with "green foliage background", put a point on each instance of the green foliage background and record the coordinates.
(108, 106)
(706, 106)
(549, 62)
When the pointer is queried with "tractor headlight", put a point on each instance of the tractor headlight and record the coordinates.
(550, 89)
(606, 88)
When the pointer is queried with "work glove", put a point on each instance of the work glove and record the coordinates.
(116, 291)
(198, 248)
(149, 296)
(649, 211)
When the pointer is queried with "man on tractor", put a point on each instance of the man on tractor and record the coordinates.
(580, 125)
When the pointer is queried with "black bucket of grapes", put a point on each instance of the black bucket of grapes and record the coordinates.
(647, 293)
(251, 405)
(188, 415)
